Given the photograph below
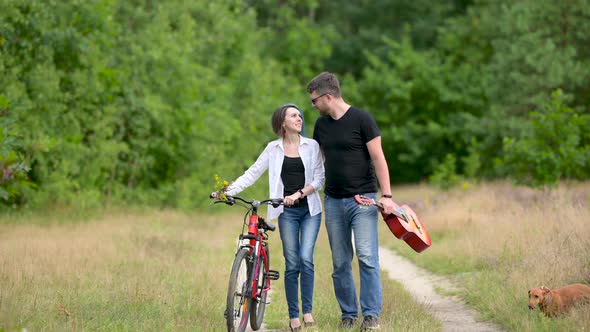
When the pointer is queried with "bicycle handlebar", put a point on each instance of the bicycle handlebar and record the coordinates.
(231, 200)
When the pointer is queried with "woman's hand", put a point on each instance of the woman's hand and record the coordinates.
(291, 199)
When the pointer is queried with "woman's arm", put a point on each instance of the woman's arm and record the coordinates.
(251, 175)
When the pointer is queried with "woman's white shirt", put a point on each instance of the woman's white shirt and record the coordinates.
(272, 159)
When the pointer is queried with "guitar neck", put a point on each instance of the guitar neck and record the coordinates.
(396, 212)
(401, 213)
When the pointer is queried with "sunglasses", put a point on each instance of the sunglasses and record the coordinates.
(318, 97)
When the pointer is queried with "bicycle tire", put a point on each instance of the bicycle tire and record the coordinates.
(237, 309)
(258, 306)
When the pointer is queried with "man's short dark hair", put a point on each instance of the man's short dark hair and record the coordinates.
(325, 83)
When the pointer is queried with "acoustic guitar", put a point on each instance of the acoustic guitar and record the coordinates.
(403, 223)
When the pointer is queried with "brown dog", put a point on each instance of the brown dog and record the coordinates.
(558, 301)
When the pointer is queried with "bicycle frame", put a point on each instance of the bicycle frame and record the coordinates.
(257, 247)
(252, 248)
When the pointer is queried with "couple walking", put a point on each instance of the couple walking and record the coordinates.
(346, 154)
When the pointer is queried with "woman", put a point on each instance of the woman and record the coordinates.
(296, 172)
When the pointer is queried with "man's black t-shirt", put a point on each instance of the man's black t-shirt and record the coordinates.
(349, 169)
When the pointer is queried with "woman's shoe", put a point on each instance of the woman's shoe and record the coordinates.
(310, 325)
(294, 329)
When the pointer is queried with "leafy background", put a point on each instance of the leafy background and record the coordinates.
(144, 102)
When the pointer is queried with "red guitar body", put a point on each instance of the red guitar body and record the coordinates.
(403, 223)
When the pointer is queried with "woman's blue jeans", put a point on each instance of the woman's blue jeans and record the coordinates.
(299, 232)
(343, 218)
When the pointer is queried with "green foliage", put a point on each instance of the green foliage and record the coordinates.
(144, 102)
(424, 113)
(540, 48)
(13, 167)
(361, 27)
(523, 49)
(445, 175)
(472, 161)
(136, 101)
(294, 38)
(479, 83)
(555, 146)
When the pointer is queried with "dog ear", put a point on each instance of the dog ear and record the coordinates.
(545, 289)
(529, 292)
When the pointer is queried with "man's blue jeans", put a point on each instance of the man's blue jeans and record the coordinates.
(343, 219)
(299, 232)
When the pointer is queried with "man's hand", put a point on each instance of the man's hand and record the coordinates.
(388, 205)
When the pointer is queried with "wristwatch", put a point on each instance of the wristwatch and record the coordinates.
(386, 196)
(301, 192)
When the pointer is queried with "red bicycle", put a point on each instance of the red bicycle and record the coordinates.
(250, 276)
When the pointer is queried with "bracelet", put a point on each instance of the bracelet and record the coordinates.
(386, 196)
(301, 192)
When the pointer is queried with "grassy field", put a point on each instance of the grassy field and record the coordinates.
(151, 271)
(498, 241)
(168, 271)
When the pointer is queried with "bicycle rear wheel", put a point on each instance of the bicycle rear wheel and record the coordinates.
(237, 310)
(258, 305)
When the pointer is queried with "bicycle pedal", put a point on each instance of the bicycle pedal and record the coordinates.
(273, 275)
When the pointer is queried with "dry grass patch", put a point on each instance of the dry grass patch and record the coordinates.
(150, 271)
(502, 240)
(156, 271)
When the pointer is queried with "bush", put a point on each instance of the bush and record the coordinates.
(13, 169)
(554, 146)
(445, 175)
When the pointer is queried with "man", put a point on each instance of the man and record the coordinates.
(354, 162)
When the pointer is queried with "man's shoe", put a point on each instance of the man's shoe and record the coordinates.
(370, 323)
(347, 323)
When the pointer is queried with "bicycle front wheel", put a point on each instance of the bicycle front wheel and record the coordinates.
(258, 305)
(237, 310)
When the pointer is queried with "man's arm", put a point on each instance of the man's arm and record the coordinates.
(382, 172)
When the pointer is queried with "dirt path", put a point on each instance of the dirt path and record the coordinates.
(451, 311)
